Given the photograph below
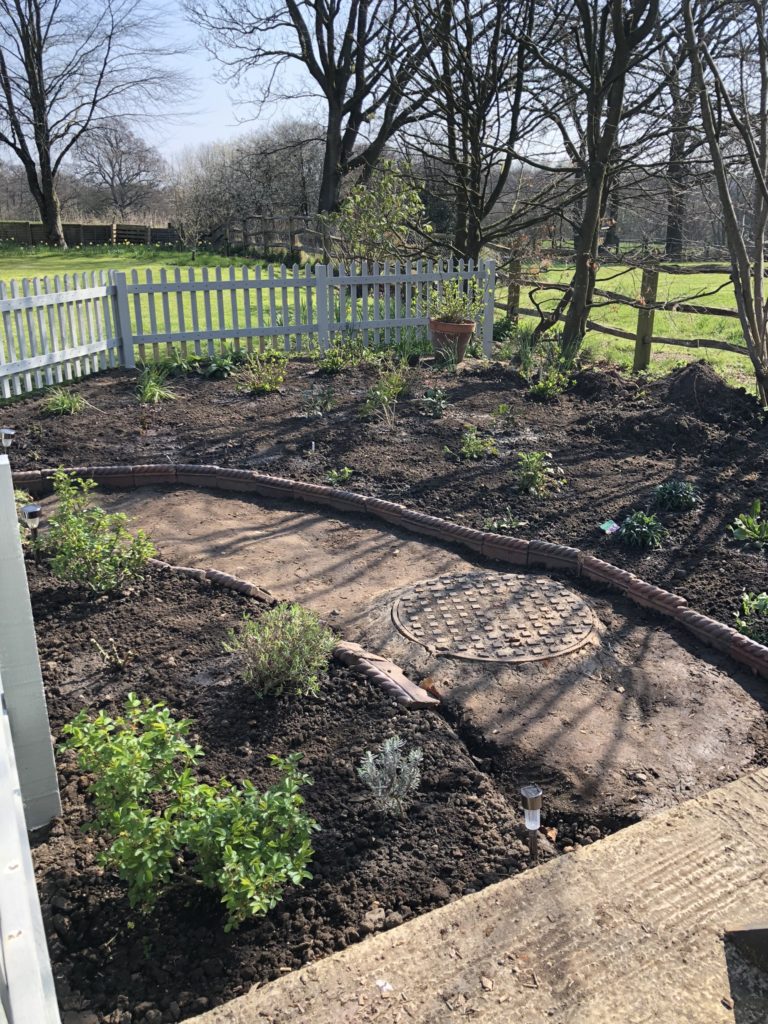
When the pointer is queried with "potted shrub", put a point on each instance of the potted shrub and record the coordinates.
(453, 318)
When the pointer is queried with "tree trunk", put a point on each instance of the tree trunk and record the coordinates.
(50, 213)
(329, 199)
(676, 182)
(583, 284)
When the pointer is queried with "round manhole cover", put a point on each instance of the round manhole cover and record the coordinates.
(494, 617)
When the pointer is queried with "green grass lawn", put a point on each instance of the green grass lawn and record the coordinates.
(691, 287)
(18, 262)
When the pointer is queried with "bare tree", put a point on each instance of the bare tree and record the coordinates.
(65, 65)
(479, 74)
(121, 166)
(603, 44)
(732, 92)
(359, 58)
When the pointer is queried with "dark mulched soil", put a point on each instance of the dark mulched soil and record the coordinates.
(370, 872)
(615, 437)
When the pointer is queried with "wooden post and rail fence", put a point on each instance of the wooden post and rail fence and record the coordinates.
(515, 279)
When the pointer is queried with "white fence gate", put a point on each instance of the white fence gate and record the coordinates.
(58, 329)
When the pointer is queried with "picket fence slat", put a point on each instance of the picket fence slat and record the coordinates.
(61, 329)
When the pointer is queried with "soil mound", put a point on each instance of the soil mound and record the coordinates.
(594, 385)
(700, 390)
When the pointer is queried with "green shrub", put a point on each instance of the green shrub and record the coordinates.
(88, 546)
(152, 388)
(752, 620)
(261, 374)
(505, 522)
(642, 530)
(61, 402)
(456, 302)
(676, 496)
(475, 447)
(434, 402)
(345, 352)
(318, 401)
(550, 385)
(284, 650)
(334, 477)
(381, 399)
(751, 527)
(241, 842)
(537, 473)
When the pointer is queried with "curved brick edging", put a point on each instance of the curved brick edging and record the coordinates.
(512, 550)
(380, 671)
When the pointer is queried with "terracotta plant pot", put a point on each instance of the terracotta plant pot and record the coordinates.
(450, 340)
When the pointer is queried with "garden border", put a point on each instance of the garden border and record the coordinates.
(512, 550)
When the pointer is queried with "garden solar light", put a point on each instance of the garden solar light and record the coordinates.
(32, 514)
(6, 436)
(532, 809)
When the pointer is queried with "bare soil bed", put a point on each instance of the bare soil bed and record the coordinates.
(616, 439)
(370, 871)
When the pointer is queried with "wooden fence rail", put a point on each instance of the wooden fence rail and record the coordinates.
(646, 304)
(52, 331)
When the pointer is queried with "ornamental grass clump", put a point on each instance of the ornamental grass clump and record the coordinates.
(60, 402)
(642, 530)
(166, 826)
(88, 546)
(676, 496)
(392, 775)
(283, 651)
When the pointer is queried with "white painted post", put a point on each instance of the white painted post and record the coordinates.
(321, 286)
(20, 670)
(123, 319)
(488, 277)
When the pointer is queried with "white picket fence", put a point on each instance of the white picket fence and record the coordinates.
(57, 329)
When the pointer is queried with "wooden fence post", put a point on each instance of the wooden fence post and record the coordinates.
(20, 669)
(513, 291)
(123, 319)
(488, 277)
(645, 316)
(321, 306)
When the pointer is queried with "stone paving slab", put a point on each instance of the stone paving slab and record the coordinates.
(627, 931)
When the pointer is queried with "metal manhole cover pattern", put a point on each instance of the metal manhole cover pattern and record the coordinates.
(494, 617)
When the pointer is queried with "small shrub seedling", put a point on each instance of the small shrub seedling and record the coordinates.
(434, 402)
(152, 388)
(676, 496)
(473, 446)
(504, 416)
(283, 651)
(751, 527)
(391, 775)
(318, 401)
(244, 843)
(88, 546)
(261, 374)
(537, 473)
(345, 352)
(61, 402)
(752, 620)
(505, 522)
(334, 477)
(111, 656)
(550, 385)
(381, 399)
(641, 530)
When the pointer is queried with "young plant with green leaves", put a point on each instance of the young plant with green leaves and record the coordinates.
(152, 388)
(550, 385)
(472, 446)
(538, 474)
(381, 399)
(164, 824)
(456, 302)
(285, 650)
(676, 496)
(434, 402)
(63, 402)
(88, 546)
(261, 374)
(334, 477)
(391, 774)
(345, 352)
(750, 527)
(318, 401)
(752, 619)
(642, 530)
(505, 522)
